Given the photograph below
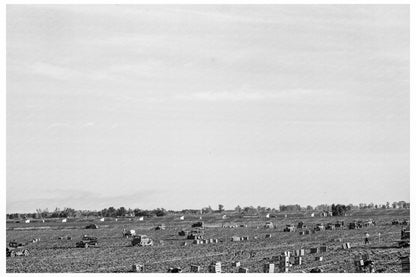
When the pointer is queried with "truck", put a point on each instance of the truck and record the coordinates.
(129, 233)
(141, 240)
(339, 224)
(198, 224)
(355, 225)
(183, 233)
(268, 225)
(330, 226)
(16, 249)
(289, 228)
(195, 234)
(160, 227)
(87, 241)
(302, 225)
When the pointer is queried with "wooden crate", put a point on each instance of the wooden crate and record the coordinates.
(300, 252)
(268, 268)
(297, 261)
(195, 268)
(243, 270)
(284, 263)
(215, 267)
(405, 264)
(137, 268)
(346, 245)
(314, 250)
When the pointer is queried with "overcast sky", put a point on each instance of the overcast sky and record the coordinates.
(190, 106)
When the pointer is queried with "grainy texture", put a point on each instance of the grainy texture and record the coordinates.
(115, 253)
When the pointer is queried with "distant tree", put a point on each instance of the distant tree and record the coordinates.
(13, 216)
(220, 208)
(186, 211)
(322, 207)
(339, 210)
(207, 210)
(56, 213)
(290, 208)
(160, 212)
(250, 210)
(111, 212)
(67, 212)
(237, 209)
(136, 212)
(261, 210)
(121, 211)
(387, 205)
(309, 208)
(401, 204)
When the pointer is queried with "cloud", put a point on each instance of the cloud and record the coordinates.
(78, 199)
(243, 96)
(53, 71)
(59, 125)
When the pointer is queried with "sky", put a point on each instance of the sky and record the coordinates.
(189, 106)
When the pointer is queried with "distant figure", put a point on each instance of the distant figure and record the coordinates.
(366, 240)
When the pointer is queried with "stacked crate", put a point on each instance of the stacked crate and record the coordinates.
(138, 268)
(284, 263)
(299, 252)
(297, 260)
(358, 263)
(215, 267)
(405, 264)
(243, 270)
(346, 245)
(314, 250)
(195, 268)
(268, 268)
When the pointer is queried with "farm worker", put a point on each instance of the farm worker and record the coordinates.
(367, 236)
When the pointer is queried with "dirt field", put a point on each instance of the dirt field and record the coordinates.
(115, 253)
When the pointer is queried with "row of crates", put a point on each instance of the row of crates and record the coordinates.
(205, 241)
(320, 249)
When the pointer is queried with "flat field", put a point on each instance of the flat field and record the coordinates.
(114, 253)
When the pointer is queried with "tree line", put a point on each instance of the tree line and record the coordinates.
(335, 209)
